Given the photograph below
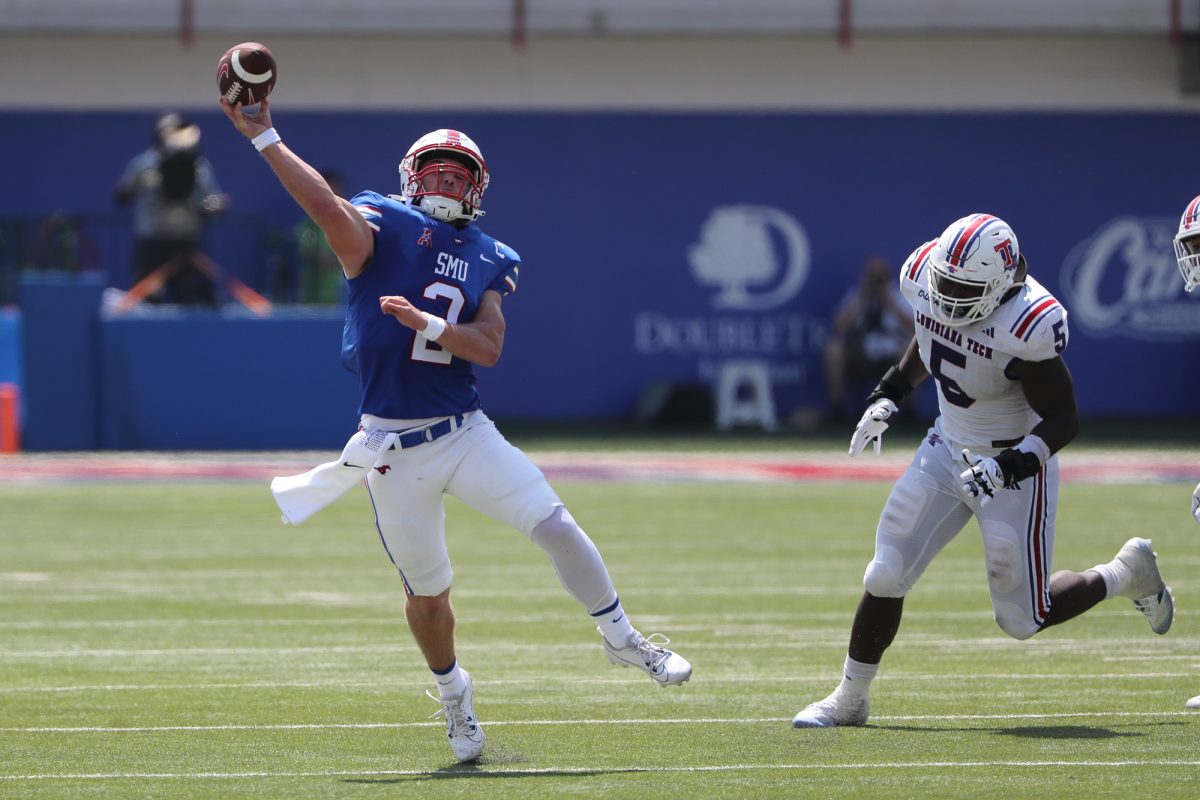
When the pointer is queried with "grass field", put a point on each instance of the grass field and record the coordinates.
(175, 640)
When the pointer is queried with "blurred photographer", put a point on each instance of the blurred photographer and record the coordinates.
(174, 194)
(870, 331)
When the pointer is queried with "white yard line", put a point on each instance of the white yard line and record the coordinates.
(735, 679)
(472, 772)
(556, 722)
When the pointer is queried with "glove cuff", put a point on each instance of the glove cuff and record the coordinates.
(1035, 445)
(893, 386)
(1017, 465)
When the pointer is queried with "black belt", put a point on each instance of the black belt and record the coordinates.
(434, 431)
(1007, 442)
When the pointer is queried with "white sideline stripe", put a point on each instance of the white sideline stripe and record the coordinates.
(316, 726)
(600, 770)
(541, 681)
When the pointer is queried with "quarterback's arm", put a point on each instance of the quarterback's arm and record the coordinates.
(479, 341)
(348, 233)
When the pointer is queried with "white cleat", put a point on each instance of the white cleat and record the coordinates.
(1193, 704)
(667, 668)
(1145, 585)
(462, 729)
(834, 711)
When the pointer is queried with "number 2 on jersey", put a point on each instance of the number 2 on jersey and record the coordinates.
(425, 350)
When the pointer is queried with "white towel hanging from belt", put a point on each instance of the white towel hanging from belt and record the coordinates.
(301, 496)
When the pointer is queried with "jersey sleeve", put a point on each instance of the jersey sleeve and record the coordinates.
(370, 206)
(1039, 332)
(912, 274)
(506, 280)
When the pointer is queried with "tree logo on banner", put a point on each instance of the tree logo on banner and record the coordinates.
(1123, 281)
(757, 256)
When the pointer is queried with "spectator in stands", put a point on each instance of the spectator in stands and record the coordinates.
(320, 279)
(869, 333)
(174, 194)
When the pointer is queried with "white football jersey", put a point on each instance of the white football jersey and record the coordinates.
(981, 405)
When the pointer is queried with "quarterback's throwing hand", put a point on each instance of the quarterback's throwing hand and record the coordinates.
(872, 425)
(982, 477)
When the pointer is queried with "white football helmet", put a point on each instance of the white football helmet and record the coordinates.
(971, 267)
(421, 183)
(1187, 245)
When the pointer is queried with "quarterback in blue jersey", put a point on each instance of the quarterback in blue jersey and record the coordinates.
(424, 307)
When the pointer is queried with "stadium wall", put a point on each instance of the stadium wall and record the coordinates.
(663, 233)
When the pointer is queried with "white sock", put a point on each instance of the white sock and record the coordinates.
(857, 677)
(1111, 576)
(614, 623)
(450, 683)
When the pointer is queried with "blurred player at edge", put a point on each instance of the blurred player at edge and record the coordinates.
(1187, 253)
(425, 287)
(992, 338)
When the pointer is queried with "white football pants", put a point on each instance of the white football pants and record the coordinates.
(475, 464)
(927, 509)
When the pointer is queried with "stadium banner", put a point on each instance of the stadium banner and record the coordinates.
(661, 247)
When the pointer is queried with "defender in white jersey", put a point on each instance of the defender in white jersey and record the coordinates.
(423, 308)
(992, 338)
(1187, 255)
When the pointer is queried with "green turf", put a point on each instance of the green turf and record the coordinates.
(212, 652)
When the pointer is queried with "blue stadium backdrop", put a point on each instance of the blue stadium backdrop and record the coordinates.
(655, 247)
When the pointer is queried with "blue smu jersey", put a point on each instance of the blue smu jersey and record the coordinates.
(441, 269)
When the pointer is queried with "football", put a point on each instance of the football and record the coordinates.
(246, 73)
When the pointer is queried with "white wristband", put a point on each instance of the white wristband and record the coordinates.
(265, 139)
(434, 327)
(1034, 444)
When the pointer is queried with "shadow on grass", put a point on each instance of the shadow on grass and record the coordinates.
(498, 762)
(477, 771)
(1045, 731)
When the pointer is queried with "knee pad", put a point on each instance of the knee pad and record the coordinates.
(903, 509)
(884, 574)
(559, 525)
(1003, 562)
(1015, 620)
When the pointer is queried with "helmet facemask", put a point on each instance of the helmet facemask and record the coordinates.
(1187, 253)
(1187, 245)
(960, 302)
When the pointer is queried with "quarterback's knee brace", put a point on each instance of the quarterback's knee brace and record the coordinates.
(884, 575)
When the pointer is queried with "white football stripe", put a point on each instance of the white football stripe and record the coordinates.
(248, 77)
